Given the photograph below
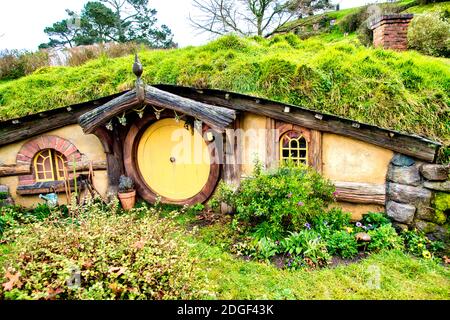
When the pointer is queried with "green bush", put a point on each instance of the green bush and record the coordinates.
(343, 244)
(375, 219)
(101, 256)
(274, 203)
(430, 34)
(419, 245)
(383, 238)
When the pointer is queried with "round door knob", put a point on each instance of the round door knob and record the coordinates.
(172, 159)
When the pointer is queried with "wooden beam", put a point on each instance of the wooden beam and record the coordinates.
(315, 148)
(84, 166)
(7, 170)
(18, 170)
(29, 126)
(358, 192)
(411, 145)
(101, 115)
(217, 118)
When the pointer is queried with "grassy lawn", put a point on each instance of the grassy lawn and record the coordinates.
(220, 275)
(387, 275)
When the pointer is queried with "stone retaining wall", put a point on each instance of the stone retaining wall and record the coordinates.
(418, 196)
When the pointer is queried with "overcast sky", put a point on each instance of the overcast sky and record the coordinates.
(22, 21)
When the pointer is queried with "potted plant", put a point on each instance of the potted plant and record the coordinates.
(127, 193)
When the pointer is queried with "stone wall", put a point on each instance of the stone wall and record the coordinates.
(418, 196)
(390, 31)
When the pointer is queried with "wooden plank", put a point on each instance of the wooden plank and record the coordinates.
(272, 145)
(47, 187)
(14, 170)
(358, 192)
(315, 149)
(84, 166)
(411, 145)
(36, 124)
(18, 170)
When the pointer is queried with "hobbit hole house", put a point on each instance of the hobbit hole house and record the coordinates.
(137, 133)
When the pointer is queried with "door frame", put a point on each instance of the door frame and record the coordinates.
(130, 147)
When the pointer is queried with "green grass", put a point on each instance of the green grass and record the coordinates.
(400, 277)
(431, 7)
(219, 275)
(404, 91)
(385, 275)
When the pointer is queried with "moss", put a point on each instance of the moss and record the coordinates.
(442, 206)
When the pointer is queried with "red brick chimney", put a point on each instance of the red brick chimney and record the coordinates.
(390, 31)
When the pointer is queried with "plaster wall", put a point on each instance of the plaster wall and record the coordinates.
(88, 145)
(253, 141)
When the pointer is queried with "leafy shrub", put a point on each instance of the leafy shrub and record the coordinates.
(113, 256)
(375, 219)
(15, 64)
(297, 242)
(384, 237)
(430, 34)
(333, 220)
(343, 244)
(282, 201)
(265, 248)
(418, 244)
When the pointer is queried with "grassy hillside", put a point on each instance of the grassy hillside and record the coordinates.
(405, 91)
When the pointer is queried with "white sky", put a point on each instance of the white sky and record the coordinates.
(22, 22)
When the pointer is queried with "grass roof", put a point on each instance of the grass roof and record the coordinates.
(404, 91)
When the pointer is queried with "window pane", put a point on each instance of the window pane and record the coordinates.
(302, 143)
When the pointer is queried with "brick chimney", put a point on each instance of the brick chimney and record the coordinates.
(390, 31)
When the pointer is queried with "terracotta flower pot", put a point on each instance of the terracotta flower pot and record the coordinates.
(127, 199)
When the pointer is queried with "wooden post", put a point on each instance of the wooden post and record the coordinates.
(316, 150)
(272, 137)
(232, 159)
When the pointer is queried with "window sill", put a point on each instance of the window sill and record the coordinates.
(45, 187)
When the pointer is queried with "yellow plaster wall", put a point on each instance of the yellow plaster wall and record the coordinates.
(358, 209)
(350, 160)
(88, 145)
(253, 141)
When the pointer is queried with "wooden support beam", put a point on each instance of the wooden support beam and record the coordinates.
(358, 192)
(29, 126)
(315, 149)
(84, 166)
(411, 145)
(18, 170)
(7, 170)
(217, 118)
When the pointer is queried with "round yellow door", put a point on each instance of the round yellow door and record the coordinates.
(173, 162)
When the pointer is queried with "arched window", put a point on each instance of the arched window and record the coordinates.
(293, 147)
(49, 165)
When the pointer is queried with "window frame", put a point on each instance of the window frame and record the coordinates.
(54, 156)
(298, 159)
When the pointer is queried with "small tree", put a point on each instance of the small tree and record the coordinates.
(430, 34)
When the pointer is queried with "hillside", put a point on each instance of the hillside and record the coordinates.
(405, 91)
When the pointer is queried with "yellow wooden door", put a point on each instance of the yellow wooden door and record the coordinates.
(174, 163)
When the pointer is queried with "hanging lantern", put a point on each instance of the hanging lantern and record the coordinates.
(140, 112)
(109, 126)
(177, 117)
(122, 120)
(158, 113)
